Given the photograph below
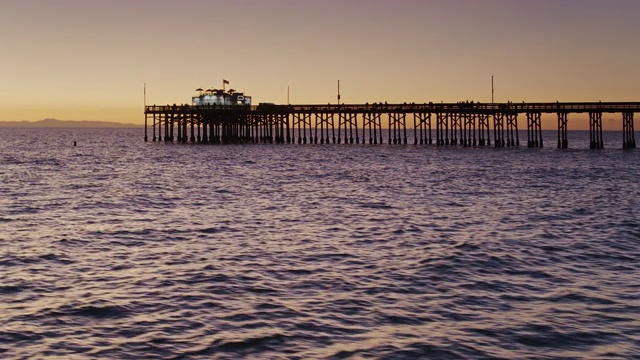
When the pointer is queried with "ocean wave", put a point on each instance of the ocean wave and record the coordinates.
(136, 250)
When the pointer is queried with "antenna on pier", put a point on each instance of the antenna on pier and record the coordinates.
(492, 91)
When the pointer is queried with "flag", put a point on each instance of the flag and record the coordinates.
(225, 81)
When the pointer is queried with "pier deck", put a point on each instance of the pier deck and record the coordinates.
(464, 123)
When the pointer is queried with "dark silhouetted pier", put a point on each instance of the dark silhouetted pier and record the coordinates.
(465, 123)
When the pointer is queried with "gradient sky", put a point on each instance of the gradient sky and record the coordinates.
(88, 59)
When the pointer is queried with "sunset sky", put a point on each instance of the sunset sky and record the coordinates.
(88, 59)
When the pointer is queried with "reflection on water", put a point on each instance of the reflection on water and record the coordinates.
(121, 249)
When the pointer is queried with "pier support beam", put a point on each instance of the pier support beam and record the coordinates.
(364, 130)
(595, 130)
(173, 121)
(323, 119)
(283, 120)
(166, 127)
(286, 119)
(270, 123)
(390, 139)
(195, 120)
(179, 120)
(498, 129)
(193, 138)
(442, 123)
(278, 128)
(534, 130)
(314, 138)
(455, 125)
(422, 125)
(563, 143)
(218, 129)
(301, 121)
(261, 127)
(146, 138)
(398, 122)
(171, 126)
(205, 137)
(279, 138)
(374, 122)
(258, 127)
(513, 139)
(154, 127)
(483, 126)
(469, 130)
(344, 120)
(182, 134)
(353, 129)
(251, 129)
(628, 131)
(212, 134)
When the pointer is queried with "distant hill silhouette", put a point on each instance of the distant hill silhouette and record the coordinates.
(55, 123)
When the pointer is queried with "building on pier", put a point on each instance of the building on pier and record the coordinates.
(220, 97)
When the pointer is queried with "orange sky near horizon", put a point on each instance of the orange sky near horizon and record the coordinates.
(87, 60)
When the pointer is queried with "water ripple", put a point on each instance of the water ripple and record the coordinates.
(121, 249)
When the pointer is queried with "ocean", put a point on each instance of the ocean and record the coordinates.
(121, 249)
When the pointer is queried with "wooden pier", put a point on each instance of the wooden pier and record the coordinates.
(465, 123)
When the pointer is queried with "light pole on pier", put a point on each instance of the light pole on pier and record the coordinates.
(338, 92)
(492, 91)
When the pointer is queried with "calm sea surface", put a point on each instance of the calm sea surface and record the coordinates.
(119, 249)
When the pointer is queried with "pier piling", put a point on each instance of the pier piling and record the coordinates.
(595, 130)
(563, 143)
(498, 129)
(534, 130)
(628, 132)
